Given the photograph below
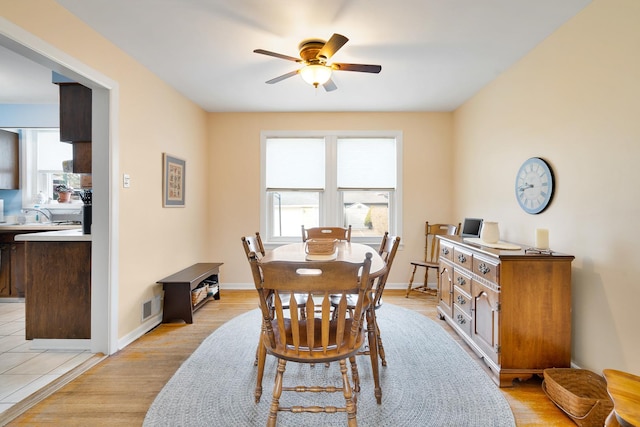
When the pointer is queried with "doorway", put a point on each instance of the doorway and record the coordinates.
(104, 247)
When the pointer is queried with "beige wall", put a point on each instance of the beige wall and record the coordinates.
(153, 118)
(575, 101)
(235, 177)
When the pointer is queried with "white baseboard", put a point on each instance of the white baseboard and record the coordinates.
(151, 323)
(237, 286)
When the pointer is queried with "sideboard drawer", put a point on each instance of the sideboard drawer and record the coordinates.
(463, 258)
(462, 281)
(462, 320)
(446, 250)
(462, 300)
(486, 269)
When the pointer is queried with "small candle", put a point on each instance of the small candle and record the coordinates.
(542, 238)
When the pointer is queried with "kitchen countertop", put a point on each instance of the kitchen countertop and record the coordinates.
(37, 227)
(74, 235)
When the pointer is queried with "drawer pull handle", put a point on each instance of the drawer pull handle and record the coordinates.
(483, 268)
(461, 281)
(462, 259)
(461, 319)
(445, 251)
(461, 300)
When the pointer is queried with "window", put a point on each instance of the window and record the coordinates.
(43, 157)
(331, 178)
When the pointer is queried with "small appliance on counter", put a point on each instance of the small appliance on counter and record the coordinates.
(70, 212)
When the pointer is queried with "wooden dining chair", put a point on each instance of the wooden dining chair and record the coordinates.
(321, 336)
(388, 248)
(254, 245)
(339, 233)
(431, 254)
(387, 251)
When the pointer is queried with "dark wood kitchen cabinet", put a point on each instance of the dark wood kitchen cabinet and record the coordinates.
(75, 123)
(13, 260)
(12, 266)
(58, 290)
(5, 270)
(82, 157)
(9, 161)
(75, 112)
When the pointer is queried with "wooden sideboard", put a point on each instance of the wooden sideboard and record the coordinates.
(511, 307)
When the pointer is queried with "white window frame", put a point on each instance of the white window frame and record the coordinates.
(330, 197)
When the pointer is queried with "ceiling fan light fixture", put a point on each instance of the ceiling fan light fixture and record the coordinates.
(316, 74)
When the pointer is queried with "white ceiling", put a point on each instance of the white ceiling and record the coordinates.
(435, 54)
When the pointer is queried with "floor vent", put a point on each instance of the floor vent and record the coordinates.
(146, 310)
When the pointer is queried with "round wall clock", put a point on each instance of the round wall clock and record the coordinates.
(534, 185)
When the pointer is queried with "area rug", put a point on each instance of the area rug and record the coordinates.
(429, 380)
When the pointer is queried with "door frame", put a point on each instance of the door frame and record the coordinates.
(104, 243)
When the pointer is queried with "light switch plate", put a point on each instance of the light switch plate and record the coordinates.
(126, 180)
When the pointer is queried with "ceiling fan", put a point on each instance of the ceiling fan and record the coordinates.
(314, 55)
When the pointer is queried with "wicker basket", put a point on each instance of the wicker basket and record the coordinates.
(198, 294)
(580, 393)
(320, 246)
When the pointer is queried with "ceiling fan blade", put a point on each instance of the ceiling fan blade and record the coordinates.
(282, 77)
(277, 55)
(364, 68)
(329, 86)
(331, 47)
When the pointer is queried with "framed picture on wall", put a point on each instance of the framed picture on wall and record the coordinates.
(173, 181)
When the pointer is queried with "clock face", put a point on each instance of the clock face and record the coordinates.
(534, 185)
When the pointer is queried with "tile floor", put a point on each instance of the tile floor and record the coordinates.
(22, 370)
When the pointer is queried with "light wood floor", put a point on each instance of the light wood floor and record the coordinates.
(119, 390)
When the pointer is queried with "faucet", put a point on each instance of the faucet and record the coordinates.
(45, 214)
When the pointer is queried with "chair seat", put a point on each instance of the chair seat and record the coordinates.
(301, 300)
(352, 300)
(431, 255)
(425, 264)
(289, 352)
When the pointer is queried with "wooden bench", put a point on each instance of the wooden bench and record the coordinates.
(177, 291)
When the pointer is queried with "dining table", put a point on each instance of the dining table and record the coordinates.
(345, 251)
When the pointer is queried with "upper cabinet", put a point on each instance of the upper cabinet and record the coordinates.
(9, 161)
(75, 112)
(75, 120)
